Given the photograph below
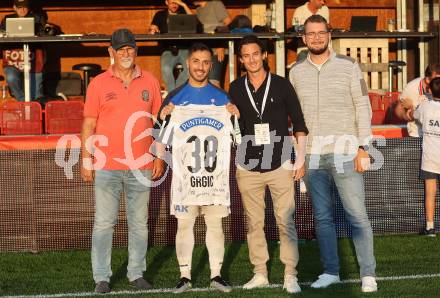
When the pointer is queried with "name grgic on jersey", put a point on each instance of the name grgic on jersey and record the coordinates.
(201, 145)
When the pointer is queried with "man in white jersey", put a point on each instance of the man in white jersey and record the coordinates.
(428, 115)
(201, 143)
(412, 95)
(198, 91)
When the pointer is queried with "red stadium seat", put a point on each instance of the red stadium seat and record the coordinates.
(391, 99)
(20, 118)
(378, 118)
(378, 109)
(394, 96)
(64, 117)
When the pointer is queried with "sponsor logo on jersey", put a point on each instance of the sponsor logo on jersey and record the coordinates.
(201, 121)
(181, 208)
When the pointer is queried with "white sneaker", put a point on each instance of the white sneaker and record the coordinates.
(291, 284)
(259, 280)
(369, 284)
(324, 280)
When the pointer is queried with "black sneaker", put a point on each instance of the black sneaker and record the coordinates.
(183, 285)
(429, 233)
(220, 284)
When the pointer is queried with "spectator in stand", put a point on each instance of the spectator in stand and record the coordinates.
(415, 92)
(427, 114)
(174, 52)
(241, 24)
(213, 14)
(301, 14)
(310, 8)
(13, 58)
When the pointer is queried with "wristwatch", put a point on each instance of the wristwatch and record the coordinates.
(366, 148)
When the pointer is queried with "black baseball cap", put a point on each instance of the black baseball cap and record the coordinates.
(22, 3)
(122, 38)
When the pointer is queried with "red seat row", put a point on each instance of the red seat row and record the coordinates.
(65, 117)
(26, 118)
(383, 107)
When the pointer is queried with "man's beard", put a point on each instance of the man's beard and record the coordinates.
(319, 51)
(127, 64)
(200, 79)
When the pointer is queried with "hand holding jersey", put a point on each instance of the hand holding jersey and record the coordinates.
(166, 111)
(233, 110)
(200, 184)
(201, 143)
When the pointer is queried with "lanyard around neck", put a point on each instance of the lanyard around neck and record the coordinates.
(251, 98)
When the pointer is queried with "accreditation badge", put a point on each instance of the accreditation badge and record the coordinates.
(262, 134)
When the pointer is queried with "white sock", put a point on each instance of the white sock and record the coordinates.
(185, 245)
(429, 225)
(185, 273)
(215, 243)
(215, 272)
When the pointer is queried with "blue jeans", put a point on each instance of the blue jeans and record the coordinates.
(167, 63)
(108, 188)
(350, 185)
(15, 80)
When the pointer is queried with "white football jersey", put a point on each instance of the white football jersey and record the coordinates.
(428, 114)
(201, 147)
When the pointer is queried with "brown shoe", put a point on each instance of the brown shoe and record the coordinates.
(141, 284)
(102, 287)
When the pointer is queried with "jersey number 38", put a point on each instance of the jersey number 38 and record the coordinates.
(209, 154)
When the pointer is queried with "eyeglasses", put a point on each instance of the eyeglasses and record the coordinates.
(320, 34)
(122, 51)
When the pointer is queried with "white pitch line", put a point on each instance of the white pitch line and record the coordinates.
(170, 290)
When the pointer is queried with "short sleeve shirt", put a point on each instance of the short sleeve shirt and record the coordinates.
(302, 13)
(428, 114)
(124, 114)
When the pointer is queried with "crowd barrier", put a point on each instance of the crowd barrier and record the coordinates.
(42, 210)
